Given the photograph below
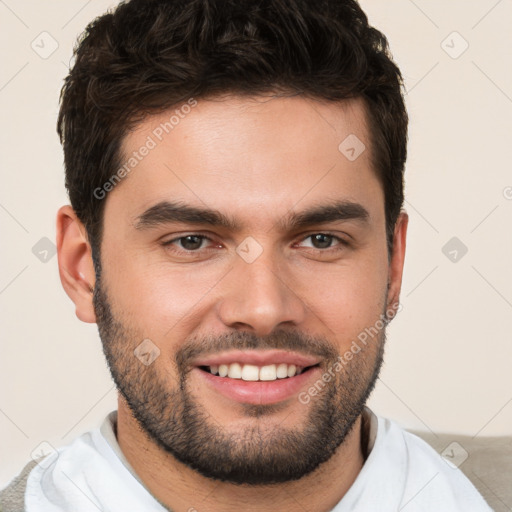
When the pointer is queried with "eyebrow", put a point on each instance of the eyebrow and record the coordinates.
(167, 212)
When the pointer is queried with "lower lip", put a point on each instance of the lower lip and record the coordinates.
(259, 392)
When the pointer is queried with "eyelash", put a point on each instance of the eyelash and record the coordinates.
(342, 244)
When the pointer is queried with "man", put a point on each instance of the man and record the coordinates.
(235, 171)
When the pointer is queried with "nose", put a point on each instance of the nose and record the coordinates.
(259, 297)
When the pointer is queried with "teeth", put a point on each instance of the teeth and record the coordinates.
(282, 371)
(291, 370)
(268, 372)
(250, 372)
(235, 371)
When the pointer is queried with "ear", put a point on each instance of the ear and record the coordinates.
(396, 265)
(76, 267)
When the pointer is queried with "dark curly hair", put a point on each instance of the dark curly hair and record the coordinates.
(149, 55)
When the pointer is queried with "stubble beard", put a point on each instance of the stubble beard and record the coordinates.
(173, 419)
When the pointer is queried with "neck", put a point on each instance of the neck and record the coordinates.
(182, 489)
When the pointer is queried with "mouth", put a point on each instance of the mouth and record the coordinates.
(257, 377)
(254, 373)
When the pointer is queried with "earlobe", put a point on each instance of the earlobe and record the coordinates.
(396, 265)
(76, 267)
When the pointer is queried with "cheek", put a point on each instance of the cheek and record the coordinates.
(158, 299)
(347, 300)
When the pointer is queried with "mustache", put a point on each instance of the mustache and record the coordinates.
(243, 340)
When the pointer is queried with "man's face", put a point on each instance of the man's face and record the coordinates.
(294, 274)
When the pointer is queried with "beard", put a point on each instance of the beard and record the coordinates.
(168, 413)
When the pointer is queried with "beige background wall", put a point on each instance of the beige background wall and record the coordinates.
(450, 349)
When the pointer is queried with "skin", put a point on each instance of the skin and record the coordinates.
(256, 160)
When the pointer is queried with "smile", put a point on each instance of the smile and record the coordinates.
(253, 373)
(257, 377)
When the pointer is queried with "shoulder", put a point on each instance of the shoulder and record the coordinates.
(429, 477)
(16, 496)
(74, 457)
(486, 462)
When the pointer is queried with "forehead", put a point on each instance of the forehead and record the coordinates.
(249, 155)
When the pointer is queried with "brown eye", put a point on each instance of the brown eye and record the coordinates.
(321, 241)
(324, 243)
(191, 242)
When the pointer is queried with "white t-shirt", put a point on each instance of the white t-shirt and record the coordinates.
(401, 473)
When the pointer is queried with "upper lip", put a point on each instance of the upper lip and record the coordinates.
(257, 358)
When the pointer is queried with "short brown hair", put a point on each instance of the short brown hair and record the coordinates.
(149, 55)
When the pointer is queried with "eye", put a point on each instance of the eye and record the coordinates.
(324, 241)
(189, 242)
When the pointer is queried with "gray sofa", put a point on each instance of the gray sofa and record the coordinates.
(486, 461)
